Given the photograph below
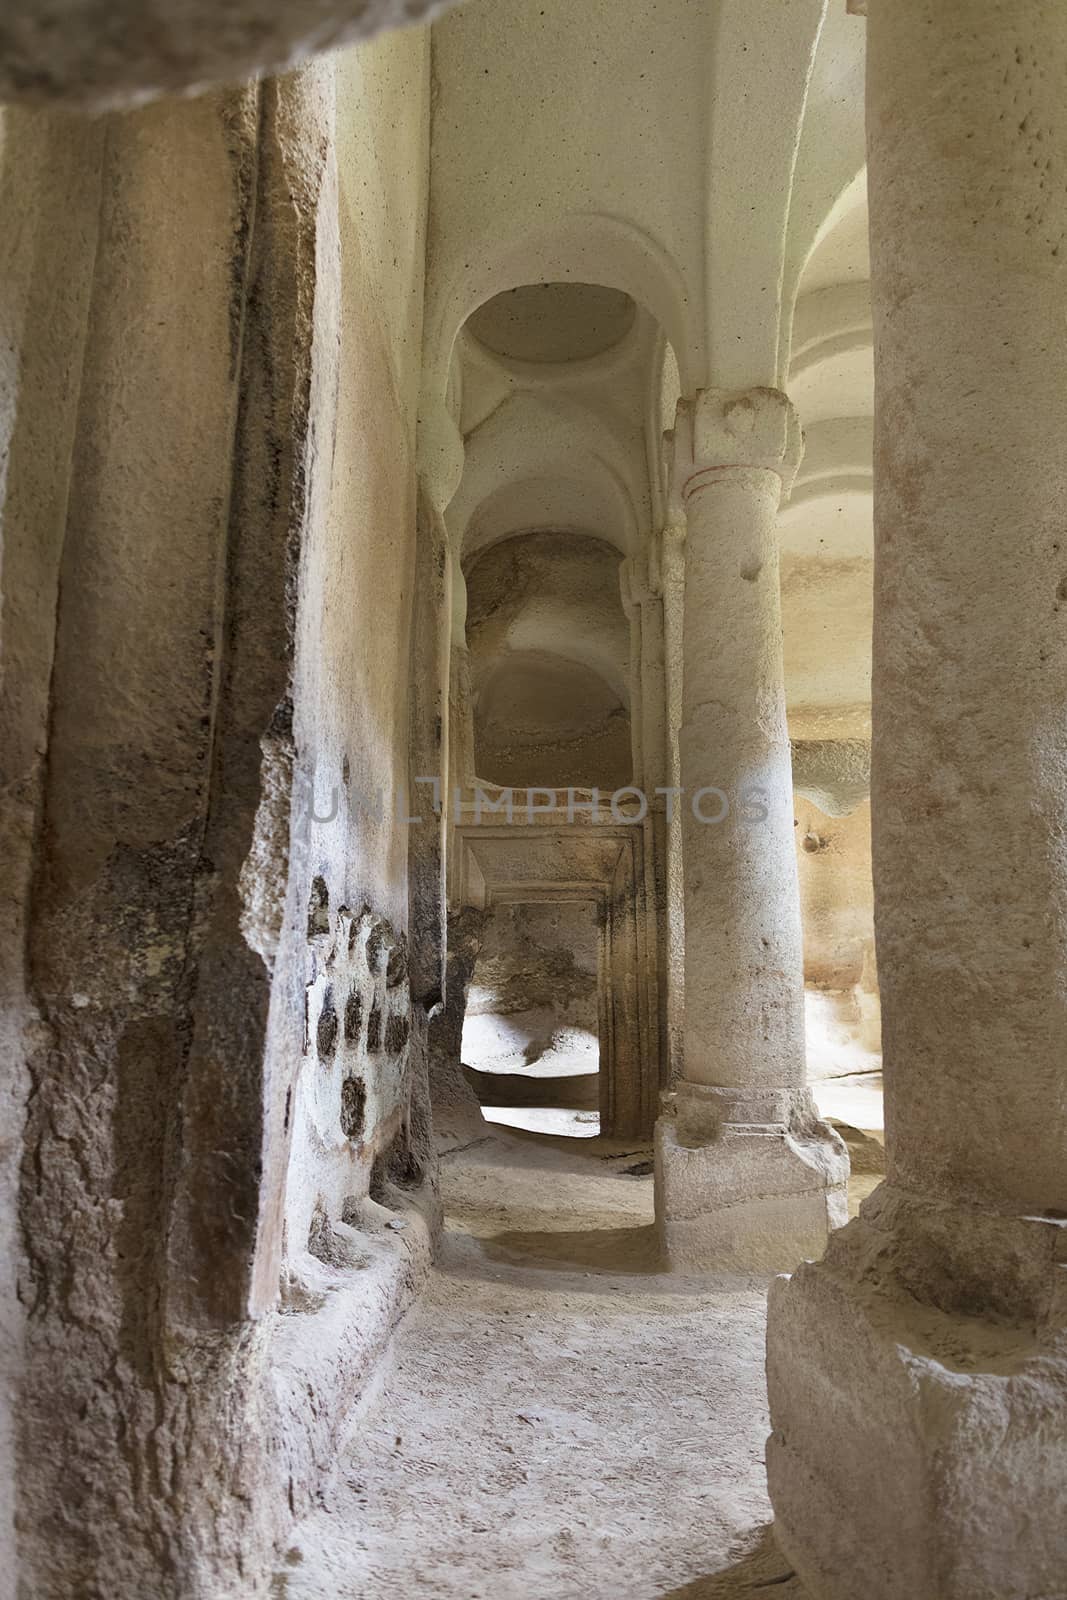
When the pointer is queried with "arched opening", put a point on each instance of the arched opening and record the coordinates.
(553, 322)
(549, 650)
(557, 385)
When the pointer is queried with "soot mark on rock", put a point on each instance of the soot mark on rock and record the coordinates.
(318, 909)
(353, 1107)
(353, 1016)
(397, 966)
(326, 1033)
(380, 943)
(397, 1030)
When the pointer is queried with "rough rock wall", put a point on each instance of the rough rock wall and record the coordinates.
(352, 719)
(102, 53)
(49, 209)
(212, 357)
(121, 885)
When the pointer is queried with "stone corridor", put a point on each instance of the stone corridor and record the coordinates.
(556, 1417)
(533, 779)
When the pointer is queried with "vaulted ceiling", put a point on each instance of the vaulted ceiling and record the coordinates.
(628, 202)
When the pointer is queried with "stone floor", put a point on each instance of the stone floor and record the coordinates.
(557, 1419)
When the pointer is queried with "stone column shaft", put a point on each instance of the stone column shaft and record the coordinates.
(747, 1175)
(938, 1319)
(672, 566)
(970, 640)
(744, 1024)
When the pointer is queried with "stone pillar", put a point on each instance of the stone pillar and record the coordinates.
(672, 568)
(918, 1374)
(747, 1176)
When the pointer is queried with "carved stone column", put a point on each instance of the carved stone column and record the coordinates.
(672, 570)
(918, 1374)
(747, 1175)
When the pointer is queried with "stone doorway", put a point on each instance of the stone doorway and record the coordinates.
(564, 900)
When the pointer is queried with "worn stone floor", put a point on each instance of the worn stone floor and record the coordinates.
(556, 1418)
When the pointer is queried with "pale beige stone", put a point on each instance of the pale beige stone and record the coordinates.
(917, 1376)
(100, 53)
(746, 1173)
(334, 498)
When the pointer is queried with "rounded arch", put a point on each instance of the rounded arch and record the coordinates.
(545, 463)
(845, 223)
(848, 206)
(587, 247)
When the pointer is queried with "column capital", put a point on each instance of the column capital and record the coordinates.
(726, 430)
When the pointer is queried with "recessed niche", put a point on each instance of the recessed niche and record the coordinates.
(553, 322)
(353, 1107)
(318, 909)
(397, 968)
(326, 1032)
(396, 1033)
(353, 1016)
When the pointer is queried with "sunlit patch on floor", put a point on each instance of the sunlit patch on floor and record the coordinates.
(546, 1119)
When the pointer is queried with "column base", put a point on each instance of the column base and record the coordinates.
(919, 1451)
(746, 1183)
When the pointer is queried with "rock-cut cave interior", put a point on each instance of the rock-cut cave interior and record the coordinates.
(533, 799)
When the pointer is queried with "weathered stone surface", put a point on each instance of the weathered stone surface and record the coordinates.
(598, 859)
(428, 682)
(170, 517)
(918, 1374)
(249, 435)
(121, 895)
(98, 53)
(749, 1187)
(556, 715)
(899, 1335)
(50, 178)
(534, 1002)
